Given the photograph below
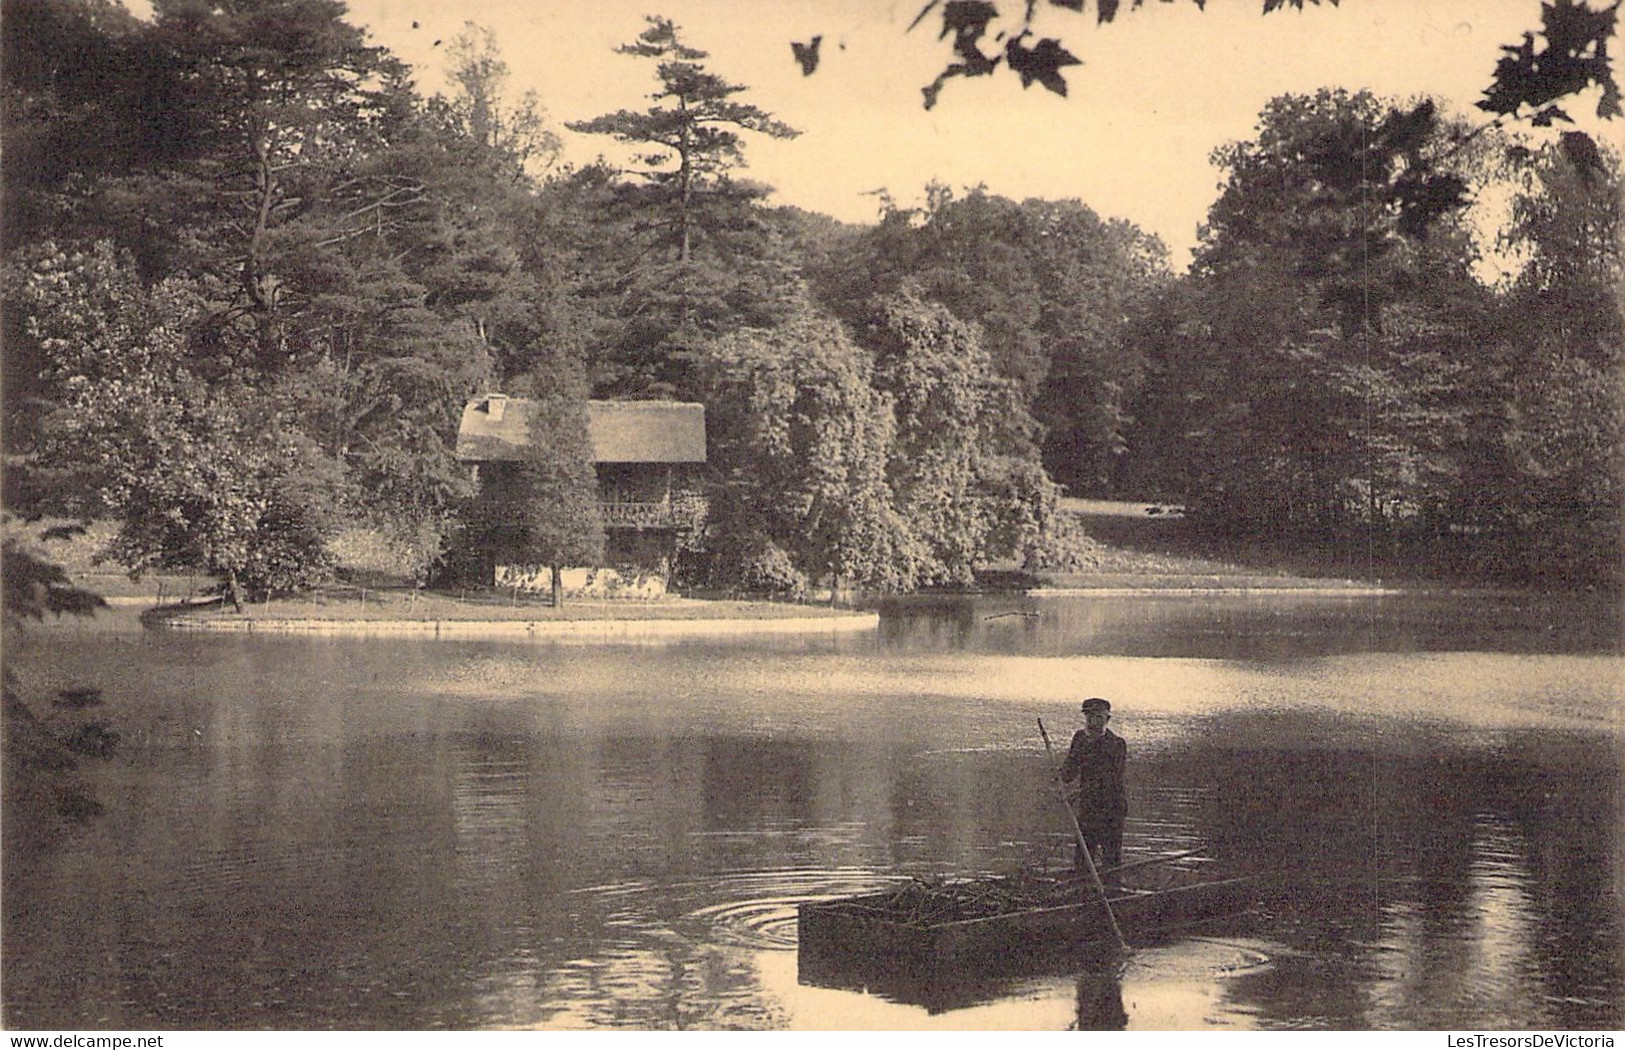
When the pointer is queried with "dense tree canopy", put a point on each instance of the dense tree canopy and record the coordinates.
(253, 275)
(1329, 369)
(327, 238)
(1050, 286)
(200, 475)
(1320, 347)
(1556, 455)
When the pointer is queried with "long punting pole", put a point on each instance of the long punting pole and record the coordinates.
(1163, 859)
(1138, 864)
(1088, 857)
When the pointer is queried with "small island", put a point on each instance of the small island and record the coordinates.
(1103, 549)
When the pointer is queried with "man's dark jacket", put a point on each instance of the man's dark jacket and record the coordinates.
(1097, 764)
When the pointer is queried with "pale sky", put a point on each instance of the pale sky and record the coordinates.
(1159, 89)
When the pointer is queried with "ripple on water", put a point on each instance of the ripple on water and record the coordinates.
(745, 909)
(1196, 957)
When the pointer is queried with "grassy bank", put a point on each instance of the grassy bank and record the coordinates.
(1106, 545)
(80, 556)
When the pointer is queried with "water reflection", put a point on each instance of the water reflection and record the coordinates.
(387, 834)
(1259, 624)
(1100, 1002)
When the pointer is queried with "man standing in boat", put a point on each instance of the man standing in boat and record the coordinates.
(1093, 773)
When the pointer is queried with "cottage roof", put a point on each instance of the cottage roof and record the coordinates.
(498, 428)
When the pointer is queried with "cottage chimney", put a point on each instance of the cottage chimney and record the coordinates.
(494, 405)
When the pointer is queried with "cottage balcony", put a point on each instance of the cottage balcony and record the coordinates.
(630, 514)
(682, 512)
(649, 514)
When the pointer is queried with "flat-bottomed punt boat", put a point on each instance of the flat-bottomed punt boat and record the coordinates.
(996, 925)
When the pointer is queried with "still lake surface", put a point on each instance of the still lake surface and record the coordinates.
(422, 834)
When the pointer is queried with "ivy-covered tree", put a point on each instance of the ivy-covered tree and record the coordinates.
(938, 380)
(800, 442)
(541, 508)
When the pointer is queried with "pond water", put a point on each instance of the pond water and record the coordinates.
(418, 834)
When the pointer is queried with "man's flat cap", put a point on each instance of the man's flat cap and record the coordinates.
(1095, 703)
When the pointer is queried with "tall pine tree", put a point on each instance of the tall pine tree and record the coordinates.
(696, 122)
(695, 256)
